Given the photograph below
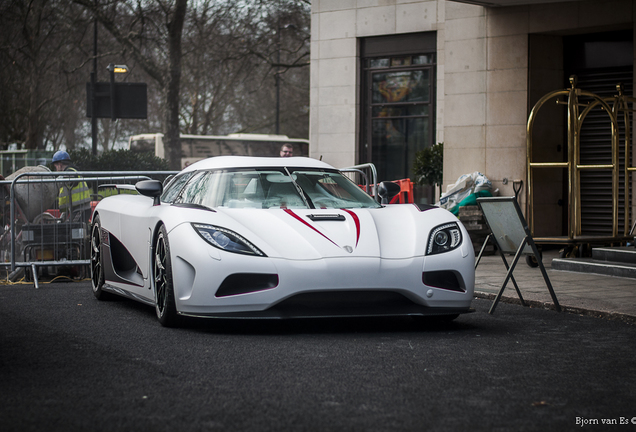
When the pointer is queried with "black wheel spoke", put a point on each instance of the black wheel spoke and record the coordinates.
(97, 271)
(160, 274)
(162, 278)
(95, 256)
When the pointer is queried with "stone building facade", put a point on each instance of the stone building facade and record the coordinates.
(476, 69)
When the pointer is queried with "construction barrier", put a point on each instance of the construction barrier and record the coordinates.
(45, 218)
(40, 238)
(406, 192)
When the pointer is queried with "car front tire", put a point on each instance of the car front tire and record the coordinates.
(162, 275)
(97, 268)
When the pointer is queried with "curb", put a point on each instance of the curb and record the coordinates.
(613, 316)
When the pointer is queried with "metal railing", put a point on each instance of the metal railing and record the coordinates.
(37, 238)
(368, 176)
(37, 234)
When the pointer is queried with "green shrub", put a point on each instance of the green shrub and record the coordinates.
(117, 160)
(429, 165)
(83, 159)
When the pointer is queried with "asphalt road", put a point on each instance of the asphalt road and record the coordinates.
(69, 362)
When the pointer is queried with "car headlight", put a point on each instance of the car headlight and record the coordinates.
(226, 240)
(444, 238)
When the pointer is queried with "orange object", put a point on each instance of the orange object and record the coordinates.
(406, 192)
(54, 212)
(93, 205)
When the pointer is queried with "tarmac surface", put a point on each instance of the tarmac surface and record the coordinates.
(582, 293)
(69, 362)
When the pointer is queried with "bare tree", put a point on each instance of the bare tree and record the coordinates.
(152, 32)
(34, 78)
(215, 72)
(210, 65)
(280, 44)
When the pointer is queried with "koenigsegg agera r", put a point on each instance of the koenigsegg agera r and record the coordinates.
(244, 237)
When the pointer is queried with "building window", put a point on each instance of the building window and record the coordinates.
(398, 103)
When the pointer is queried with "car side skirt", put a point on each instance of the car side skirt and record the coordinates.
(125, 293)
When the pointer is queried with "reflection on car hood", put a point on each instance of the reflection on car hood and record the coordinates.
(393, 232)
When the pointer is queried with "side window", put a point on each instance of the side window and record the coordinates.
(334, 188)
(198, 189)
(174, 187)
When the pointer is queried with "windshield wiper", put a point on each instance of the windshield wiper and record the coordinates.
(194, 206)
(308, 202)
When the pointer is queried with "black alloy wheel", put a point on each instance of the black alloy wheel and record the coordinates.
(162, 275)
(97, 269)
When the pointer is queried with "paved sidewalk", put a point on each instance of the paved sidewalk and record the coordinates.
(583, 293)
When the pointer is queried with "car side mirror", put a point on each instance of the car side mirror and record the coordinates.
(150, 188)
(387, 190)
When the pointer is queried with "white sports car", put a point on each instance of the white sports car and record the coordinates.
(246, 237)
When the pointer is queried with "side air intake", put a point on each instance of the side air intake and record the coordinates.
(244, 283)
(444, 279)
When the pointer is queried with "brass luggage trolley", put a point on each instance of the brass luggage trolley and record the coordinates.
(613, 106)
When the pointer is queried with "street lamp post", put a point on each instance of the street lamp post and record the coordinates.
(278, 83)
(113, 69)
(93, 87)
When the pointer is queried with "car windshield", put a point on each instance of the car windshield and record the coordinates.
(269, 188)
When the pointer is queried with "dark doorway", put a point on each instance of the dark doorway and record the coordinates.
(600, 61)
(398, 104)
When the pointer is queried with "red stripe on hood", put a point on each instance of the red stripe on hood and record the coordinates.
(295, 216)
(357, 222)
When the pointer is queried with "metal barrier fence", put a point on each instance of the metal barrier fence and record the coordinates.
(365, 175)
(40, 238)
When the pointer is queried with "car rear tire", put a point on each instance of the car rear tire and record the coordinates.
(97, 268)
(162, 275)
